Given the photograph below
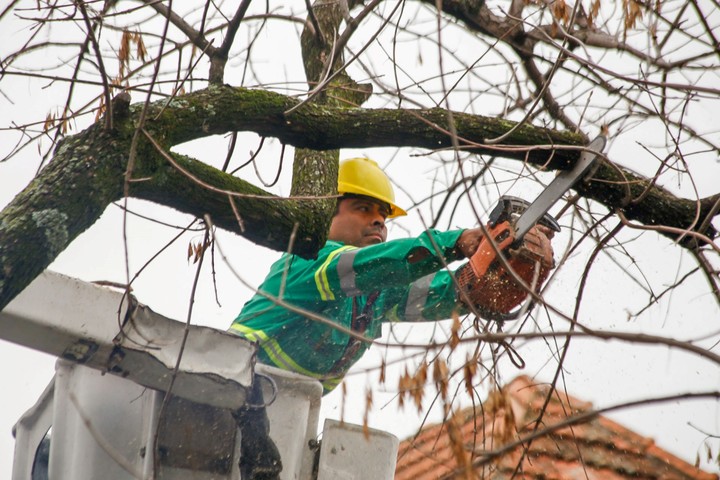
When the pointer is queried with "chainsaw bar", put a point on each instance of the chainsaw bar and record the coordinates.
(535, 212)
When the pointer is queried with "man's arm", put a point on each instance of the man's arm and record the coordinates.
(496, 284)
(435, 296)
(397, 263)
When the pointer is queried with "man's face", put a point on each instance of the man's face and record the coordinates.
(359, 222)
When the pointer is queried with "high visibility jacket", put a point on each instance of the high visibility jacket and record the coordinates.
(398, 280)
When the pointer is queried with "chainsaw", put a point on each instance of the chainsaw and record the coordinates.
(511, 219)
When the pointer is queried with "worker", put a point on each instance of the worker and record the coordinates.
(358, 280)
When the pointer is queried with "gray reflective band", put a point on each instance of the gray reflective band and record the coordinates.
(346, 273)
(417, 297)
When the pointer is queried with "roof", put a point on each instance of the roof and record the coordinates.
(596, 448)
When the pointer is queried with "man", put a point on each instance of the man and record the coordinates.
(359, 280)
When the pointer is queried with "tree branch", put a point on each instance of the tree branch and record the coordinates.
(86, 173)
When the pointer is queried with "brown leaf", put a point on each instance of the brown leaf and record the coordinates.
(417, 390)
(417, 396)
(101, 109)
(49, 121)
(421, 374)
(560, 11)
(594, 10)
(124, 52)
(462, 459)
(632, 13)
(403, 387)
(368, 406)
(141, 51)
(196, 253)
(455, 331)
(709, 452)
(441, 375)
(469, 372)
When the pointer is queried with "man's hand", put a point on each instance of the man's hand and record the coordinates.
(469, 241)
(496, 290)
(536, 246)
(537, 243)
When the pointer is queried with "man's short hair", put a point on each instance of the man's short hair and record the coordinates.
(345, 196)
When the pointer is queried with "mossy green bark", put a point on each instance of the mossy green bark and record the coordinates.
(87, 172)
(67, 197)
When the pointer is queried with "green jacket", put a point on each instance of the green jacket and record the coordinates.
(393, 281)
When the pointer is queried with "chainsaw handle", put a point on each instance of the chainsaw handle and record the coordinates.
(484, 259)
(502, 235)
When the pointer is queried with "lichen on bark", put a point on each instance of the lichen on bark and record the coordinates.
(87, 172)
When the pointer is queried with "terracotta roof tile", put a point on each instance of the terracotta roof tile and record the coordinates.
(594, 450)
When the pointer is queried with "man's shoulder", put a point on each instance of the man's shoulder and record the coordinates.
(326, 250)
(332, 246)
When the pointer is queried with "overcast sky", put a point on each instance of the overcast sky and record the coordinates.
(605, 373)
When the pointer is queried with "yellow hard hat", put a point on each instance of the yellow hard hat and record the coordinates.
(362, 176)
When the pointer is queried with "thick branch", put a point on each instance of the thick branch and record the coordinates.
(66, 198)
(195, 188)
(323, 128)
(86, 173)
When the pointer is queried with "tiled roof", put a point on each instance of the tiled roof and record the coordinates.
(596, 449)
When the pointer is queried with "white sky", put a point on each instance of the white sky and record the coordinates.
(605, 373)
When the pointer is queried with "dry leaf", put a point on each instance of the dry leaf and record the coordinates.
(455, 331)
(124, 52)
(403, 387)
(462, 459)
(368, 406)
(594, 11)
(441, 375)
(101, 109)
(469, 372)
(560, 11)
(49, 121)
(632, 13)
(141, 51)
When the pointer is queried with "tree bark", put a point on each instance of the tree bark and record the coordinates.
(87, 172)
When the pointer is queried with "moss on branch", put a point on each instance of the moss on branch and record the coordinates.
(87, 172)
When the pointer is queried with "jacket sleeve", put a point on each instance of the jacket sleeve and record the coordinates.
(349, 271)
(432, 297)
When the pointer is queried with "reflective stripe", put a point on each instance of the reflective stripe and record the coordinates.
(279, 358)
(347, 273)
(331, 383)
(272, 349)
(417, 297)
(392, 315)
(321, 280)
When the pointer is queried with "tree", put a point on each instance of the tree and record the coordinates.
(485, 98)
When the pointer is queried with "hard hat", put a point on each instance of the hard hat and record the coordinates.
(362, 176)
